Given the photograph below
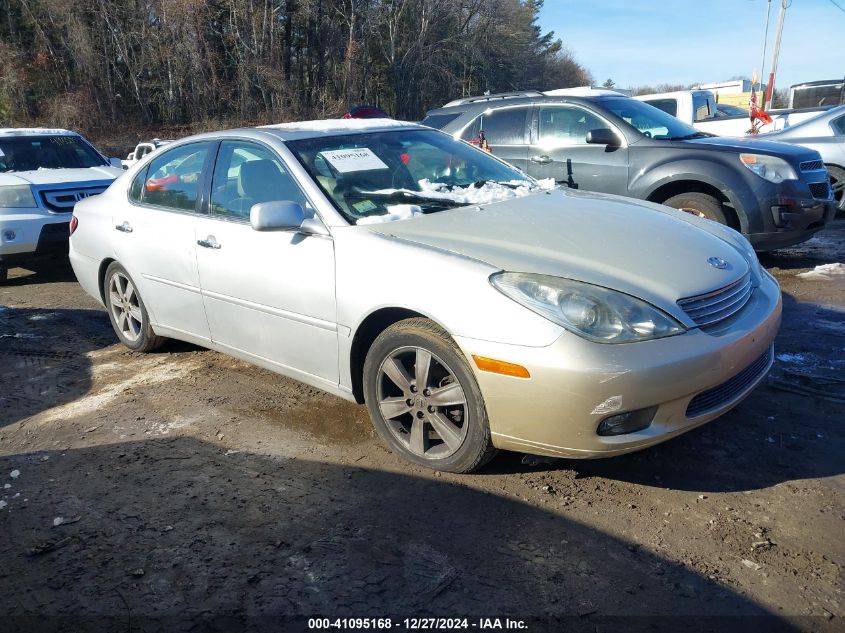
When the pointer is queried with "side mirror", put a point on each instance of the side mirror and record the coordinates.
(276, 215)
(602, 136)
(116, 162)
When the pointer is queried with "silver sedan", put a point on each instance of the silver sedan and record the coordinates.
(824, 133)
(470, 307)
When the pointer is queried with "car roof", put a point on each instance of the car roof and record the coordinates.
(35, 131)
(298, 130)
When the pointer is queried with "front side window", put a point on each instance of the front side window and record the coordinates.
(566, 125)
(28, 153)
(500, 127)
(375, 175)
(173, 179)
(246, 174)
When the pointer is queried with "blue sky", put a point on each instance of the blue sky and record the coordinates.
(640, 42)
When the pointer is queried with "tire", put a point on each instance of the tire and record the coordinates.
(701, 204)
(445, 426)
(837, 183)
(127, 312)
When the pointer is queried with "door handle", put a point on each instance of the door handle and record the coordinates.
(124, 228)
(209, 242)
(541, 160)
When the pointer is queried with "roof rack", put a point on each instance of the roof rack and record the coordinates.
(493, 97)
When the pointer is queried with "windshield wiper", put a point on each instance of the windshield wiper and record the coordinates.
(403, 195)
(688, 137)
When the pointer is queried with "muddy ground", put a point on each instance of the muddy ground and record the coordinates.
(184, 490)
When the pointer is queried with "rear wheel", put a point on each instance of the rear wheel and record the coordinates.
(424, 400)
(837, 183)
(701, 204)
(127, 312)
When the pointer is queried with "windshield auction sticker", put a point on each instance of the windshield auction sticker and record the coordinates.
(350, 160)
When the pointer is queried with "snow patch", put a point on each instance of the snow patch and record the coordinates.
(15, 474)
(339, 125)
(824, 272)
(394, 212)
(793, 359)
(486, 193)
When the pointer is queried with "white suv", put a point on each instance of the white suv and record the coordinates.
(43, 174)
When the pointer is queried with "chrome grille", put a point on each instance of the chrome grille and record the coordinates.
(720, 304)
(720, 395)
(820, 190)
(811, 165)
(63, 200)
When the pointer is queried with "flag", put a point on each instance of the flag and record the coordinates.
(755, 111)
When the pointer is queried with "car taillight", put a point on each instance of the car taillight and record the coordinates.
(73, 224)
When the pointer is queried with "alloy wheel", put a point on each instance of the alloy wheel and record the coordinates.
(125, 307)
(422, 402)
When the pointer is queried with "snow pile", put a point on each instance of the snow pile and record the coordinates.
(825, 272)
(486, 193)
(394, 212)
(339, 125)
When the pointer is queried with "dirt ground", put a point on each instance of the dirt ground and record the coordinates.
(184, 490)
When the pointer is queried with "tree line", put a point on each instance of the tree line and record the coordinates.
(93, 63)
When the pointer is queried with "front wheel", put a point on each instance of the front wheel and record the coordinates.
(837, 184)
(127, 311)
(424, 400)
(700, 204)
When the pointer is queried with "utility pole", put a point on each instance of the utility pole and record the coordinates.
(765, 41)
(770, 89)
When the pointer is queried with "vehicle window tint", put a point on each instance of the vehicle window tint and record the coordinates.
(839, 125)
(566, 125)
(500, 127)
(173, 179)
(701, 107)
(246, 174)
(669, 106)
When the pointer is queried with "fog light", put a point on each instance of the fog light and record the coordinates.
(8, 235)
(622, 423)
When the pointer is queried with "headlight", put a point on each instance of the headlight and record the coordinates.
(16, 196)
(596, 313)
(771, 168)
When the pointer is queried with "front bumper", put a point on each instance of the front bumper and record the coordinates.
(575, 384)
(24, 235)
(789, 215)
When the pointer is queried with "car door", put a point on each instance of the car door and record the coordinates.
(506, 132)
(267, 294)
(559, 150)
(154, 238)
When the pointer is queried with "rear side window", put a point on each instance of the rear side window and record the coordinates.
(838, 125)
(669, 106)
(439, 121)
(173, 179)
(501, 127)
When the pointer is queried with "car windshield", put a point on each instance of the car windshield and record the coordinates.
(650, 121)
(28, 153)
(382, 176)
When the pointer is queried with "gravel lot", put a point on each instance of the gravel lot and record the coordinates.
(184, 490)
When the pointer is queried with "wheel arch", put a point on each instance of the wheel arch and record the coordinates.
(366, 333)
(671, 188)
(101, 276)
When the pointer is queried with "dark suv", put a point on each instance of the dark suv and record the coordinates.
(775, 193)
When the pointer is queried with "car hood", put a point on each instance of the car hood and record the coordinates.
(649, 251)
(749, 145)
(59, 176)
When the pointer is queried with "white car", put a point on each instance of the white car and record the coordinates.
(470, 307)
(43, 174)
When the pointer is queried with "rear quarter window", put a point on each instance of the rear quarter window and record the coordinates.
(838, 125)
(669, 106)
(439, 121)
